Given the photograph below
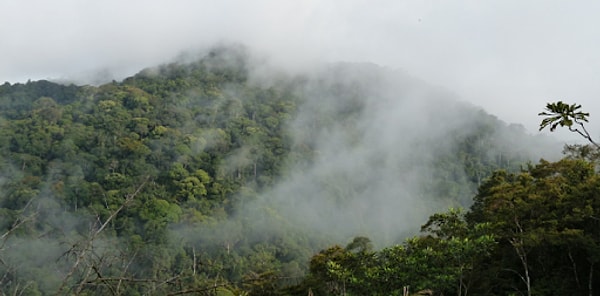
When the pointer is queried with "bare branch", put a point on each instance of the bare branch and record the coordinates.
(90, 240)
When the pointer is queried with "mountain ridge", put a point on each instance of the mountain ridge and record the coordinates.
(250, 172)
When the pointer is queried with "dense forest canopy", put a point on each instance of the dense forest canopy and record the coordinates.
(221, 175)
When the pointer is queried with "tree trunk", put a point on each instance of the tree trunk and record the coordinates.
(574, 269)
(590, 280)
(518, 243)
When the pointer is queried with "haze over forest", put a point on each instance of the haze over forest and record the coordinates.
(225, 153)
(509, 57)
(232, 148)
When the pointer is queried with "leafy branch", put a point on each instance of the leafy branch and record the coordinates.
(562, 114)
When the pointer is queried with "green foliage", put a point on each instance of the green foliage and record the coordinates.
(562, 114)
(533, 232)
(445, 262)
(205, 141)
(544, 219)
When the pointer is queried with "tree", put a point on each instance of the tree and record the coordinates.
(462, 245)
(545, 221)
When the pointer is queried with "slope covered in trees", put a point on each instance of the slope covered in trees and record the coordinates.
(221, 175)
(528, 233)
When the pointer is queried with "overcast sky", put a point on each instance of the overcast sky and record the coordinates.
(510, 57)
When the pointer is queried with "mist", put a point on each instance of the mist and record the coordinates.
(373, 151)
(379, 136)
(384, 85)
(509, 57)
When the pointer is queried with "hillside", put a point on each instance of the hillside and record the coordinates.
(221, 172)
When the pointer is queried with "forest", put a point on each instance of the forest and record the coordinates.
(221, 176)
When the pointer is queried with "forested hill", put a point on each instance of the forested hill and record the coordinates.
(222, 173)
